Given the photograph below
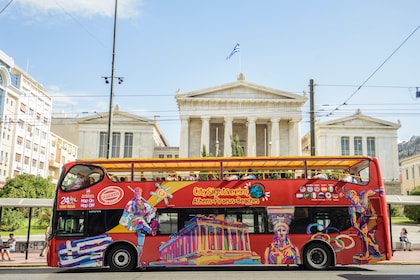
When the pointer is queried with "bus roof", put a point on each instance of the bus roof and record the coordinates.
(215, 163)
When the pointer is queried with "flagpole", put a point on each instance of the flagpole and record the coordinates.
(240, 61)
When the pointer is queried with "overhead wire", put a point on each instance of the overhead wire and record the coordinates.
(374, 72)
(5, 7)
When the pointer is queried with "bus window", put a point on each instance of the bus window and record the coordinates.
(70, 223)
(254, 218)
(167, 223)
(320, 219)
(100, 221)
(81, 176)
(364, 176)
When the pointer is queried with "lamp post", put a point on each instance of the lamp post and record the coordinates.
(111, 80)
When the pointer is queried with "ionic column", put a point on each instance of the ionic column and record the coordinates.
(184, 144)
(294, 138)
(252, 137)
(227, 149)
(275, 137)
(205, 133)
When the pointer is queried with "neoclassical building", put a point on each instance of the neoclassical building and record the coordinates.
(132, 136)
(360, 135)
(266, 121)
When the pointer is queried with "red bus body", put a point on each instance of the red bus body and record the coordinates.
(220, 222)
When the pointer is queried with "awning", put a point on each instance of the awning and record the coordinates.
(26, 202)
(403, 199)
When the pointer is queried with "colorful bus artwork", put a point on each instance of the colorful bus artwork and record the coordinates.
(124, 214)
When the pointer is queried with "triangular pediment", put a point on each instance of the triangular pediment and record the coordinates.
(241, 90)
(360, 120)
(117, 116)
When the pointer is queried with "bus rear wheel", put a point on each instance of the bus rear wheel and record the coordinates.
(121, 258)
(317, 256)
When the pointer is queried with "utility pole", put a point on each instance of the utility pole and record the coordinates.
(111, 95)
(312, 116)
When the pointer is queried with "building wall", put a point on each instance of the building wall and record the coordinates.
(410, 173)
(61, 152)
(146, 133)
(26, 115)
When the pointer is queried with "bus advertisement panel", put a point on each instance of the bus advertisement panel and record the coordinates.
(311, 211)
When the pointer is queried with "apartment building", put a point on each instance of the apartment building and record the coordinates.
(25, 110)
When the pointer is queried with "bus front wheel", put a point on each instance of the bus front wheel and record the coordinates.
(121, 258)
(317, 256)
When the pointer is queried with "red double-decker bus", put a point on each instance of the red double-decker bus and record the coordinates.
(310, 211)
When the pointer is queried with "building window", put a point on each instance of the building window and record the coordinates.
(103, 137)
(23, 107)
(161, 156)
(128, 144)
(169, 156)
(116, 143)
(358, 147)
(345, 146)
(370, 144)
(406, 174)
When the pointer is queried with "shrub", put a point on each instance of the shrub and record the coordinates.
(11, 219)
(413, 211)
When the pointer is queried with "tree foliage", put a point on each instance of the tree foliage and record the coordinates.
(237, 150)
(27, 186)
(413, 211)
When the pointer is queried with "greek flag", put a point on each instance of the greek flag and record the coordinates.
(235, 50)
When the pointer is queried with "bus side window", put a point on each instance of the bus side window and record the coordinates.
(70, 224)
(167, 223)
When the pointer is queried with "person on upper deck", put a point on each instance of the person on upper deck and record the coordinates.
(320, 175)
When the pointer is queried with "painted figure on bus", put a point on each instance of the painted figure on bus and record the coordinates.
(365, 225)
(139, 216)
(281, 250)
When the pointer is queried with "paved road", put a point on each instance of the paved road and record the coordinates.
(375, 272)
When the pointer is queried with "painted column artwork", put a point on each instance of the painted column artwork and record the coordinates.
(281, 250)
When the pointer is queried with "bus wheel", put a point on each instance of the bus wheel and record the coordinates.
(317, 257)
(121, 258)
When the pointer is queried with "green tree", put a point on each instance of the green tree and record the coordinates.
(25, 186)
(413, 211)
(28, 186)
(237, 150)
(204, 151)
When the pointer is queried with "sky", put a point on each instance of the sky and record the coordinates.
(361, 54)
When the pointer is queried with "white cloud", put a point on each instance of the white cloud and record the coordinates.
(80, 8)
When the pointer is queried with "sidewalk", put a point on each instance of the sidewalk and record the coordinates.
(34, 260)
(19, 260)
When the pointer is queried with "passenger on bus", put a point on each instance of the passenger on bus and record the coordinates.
(114, 178)
(80, 182)
(232, 175)
(211, 176)
(249, 175)
(346, 176)
(320, 175)
(191, 177)
(171, 177)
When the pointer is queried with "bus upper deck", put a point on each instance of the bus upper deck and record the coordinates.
(218, 168)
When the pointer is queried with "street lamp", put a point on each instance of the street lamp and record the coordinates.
(111, 80)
